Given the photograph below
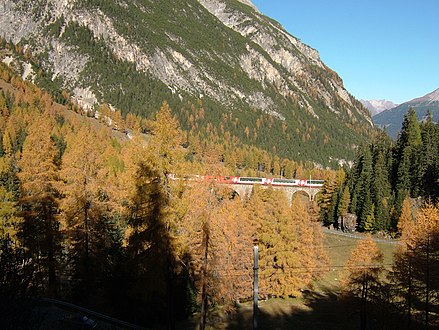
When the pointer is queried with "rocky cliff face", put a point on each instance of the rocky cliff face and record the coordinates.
(223, 51)
(289, 54)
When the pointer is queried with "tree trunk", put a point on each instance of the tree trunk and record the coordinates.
(363, 307)
(427, 283)
(204, 284)
(409, 292)
(51, 249)
(86, 260)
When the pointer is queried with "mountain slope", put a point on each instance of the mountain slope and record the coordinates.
(392, 119)
(377, 106)
(223, 56)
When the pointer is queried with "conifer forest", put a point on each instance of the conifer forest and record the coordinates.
(90, 214)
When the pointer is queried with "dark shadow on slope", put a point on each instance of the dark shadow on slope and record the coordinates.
(144, 287)
(325, 310)
(17, 295)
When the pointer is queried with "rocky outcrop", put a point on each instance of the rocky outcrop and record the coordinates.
(285, 62)
(288, 52)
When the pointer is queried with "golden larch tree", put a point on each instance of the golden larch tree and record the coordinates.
(216, 244)
(415, 272)
(313, 258)
(166, 141)
(10, 222)
(406, 220)
(85, 200)
(362, 274)
(280, 267)
(39, 177)
(424, 242)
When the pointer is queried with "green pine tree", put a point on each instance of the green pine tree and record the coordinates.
(369, 221)
(363, 187)
(428, 174)
(343, 206)
(380, 185)
(406, 156)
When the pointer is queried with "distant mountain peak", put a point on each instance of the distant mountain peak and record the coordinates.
(392, 118)
(377, 106)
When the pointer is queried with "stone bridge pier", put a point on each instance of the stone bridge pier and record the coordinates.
(245, 191)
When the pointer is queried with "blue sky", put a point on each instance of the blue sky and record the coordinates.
(382, 49)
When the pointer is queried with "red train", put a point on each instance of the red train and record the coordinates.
(255, 180)
(270, 181)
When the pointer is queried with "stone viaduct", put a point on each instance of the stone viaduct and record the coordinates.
(244, 190)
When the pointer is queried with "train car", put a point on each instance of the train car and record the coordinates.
(251, 180)
(284, 182)
(226, 179)
(315, 183)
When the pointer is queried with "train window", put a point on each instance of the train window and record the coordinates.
(291, 181)
(315, 181)
(243, 179)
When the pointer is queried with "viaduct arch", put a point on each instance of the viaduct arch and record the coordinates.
(244, 190)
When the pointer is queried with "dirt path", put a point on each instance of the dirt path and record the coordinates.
(359, 236)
